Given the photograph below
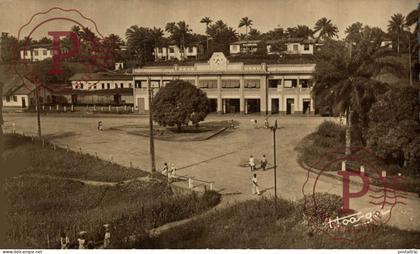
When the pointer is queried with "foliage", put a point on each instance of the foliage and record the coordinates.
(178, 103)
(394, 128)
(222, 35)
(254, 224)
(41, 207)
(325, 206)
(180, 33)
(325, 28)
(396, 28)
(300, 31)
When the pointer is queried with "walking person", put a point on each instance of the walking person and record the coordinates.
(263, 162)
(266, 125)
(64, 241)
(173, 171)
(255, 189)
(100, 128)
(165, 170)
(251, 162)
(107, 237)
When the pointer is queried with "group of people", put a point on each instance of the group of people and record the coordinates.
(169, 172)
(252, 164)
(83, 242)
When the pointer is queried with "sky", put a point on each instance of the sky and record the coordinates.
(115, 16)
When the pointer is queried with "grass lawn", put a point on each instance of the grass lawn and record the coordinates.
(39, 209)
(205, 131)
(30, 157)
(253, 224)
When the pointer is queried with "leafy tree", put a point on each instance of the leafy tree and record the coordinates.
(222, 36)
(394, 127)
(254, 34)
(300, 31)
(396, 28)
(156, 35)
(9, 48)
(246, 22)
(275, 34)
(412, 19)
(207, 21)
(325, 29)
(178, 103)
(345, 77)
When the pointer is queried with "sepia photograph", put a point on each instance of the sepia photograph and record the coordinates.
(142, 125)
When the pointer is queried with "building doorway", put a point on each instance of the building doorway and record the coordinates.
(74, 98)
(23, 102)
(275, 106)
(290, 106)
(306, 106)
(252, 105)
(117, 99)
(231, 105)
(213, 105)
(140, 105)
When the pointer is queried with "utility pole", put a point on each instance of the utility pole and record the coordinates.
(151, 134)
(409, 57)
(274, 128)
(38, 117)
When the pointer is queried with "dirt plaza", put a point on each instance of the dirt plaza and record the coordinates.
(221, 159)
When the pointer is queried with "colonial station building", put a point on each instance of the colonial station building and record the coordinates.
(235, 86)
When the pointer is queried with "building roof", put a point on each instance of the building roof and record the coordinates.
(100, 76)
(120, 91)
(284, 40)
(18, 85)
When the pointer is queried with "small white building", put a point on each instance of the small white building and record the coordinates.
(172, 52)
(300, 46)
(36, 53)
(19, 92)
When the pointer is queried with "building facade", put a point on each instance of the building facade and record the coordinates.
(101, 88)
(235, 87)
(36, 53)
(173, 52)
(286, 46)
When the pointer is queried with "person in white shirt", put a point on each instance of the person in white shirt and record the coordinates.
(263, 162)
(64, 241)
(255, 189)
(173, 171)
(107, 237)
(82, 240)
(252, 162)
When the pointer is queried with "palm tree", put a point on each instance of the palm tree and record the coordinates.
(411, 19)
(326, 29)
(396, 28)
(156, 35)
(207, 21)
(180, 32)
(354, 32)
(346, 78)
(245, 21)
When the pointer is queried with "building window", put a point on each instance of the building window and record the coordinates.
(121, 85)
(295, 47)
(273, 83)
(160, 50)
(171, 50)
(94, 87)
(305, 83)
(44, 52)
(7, 98)
(306, 46)
(190, 49)
(234, 83)
(130, 85)
(235, 47)
(289, 83)
(252, 83)
(81, 86)
(210, 83)
(108, 86)
(115, 85)
(35, 52)
(103, 85)
(14, 98)
(26, 52)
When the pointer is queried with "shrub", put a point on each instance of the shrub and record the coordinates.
(325, 206)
